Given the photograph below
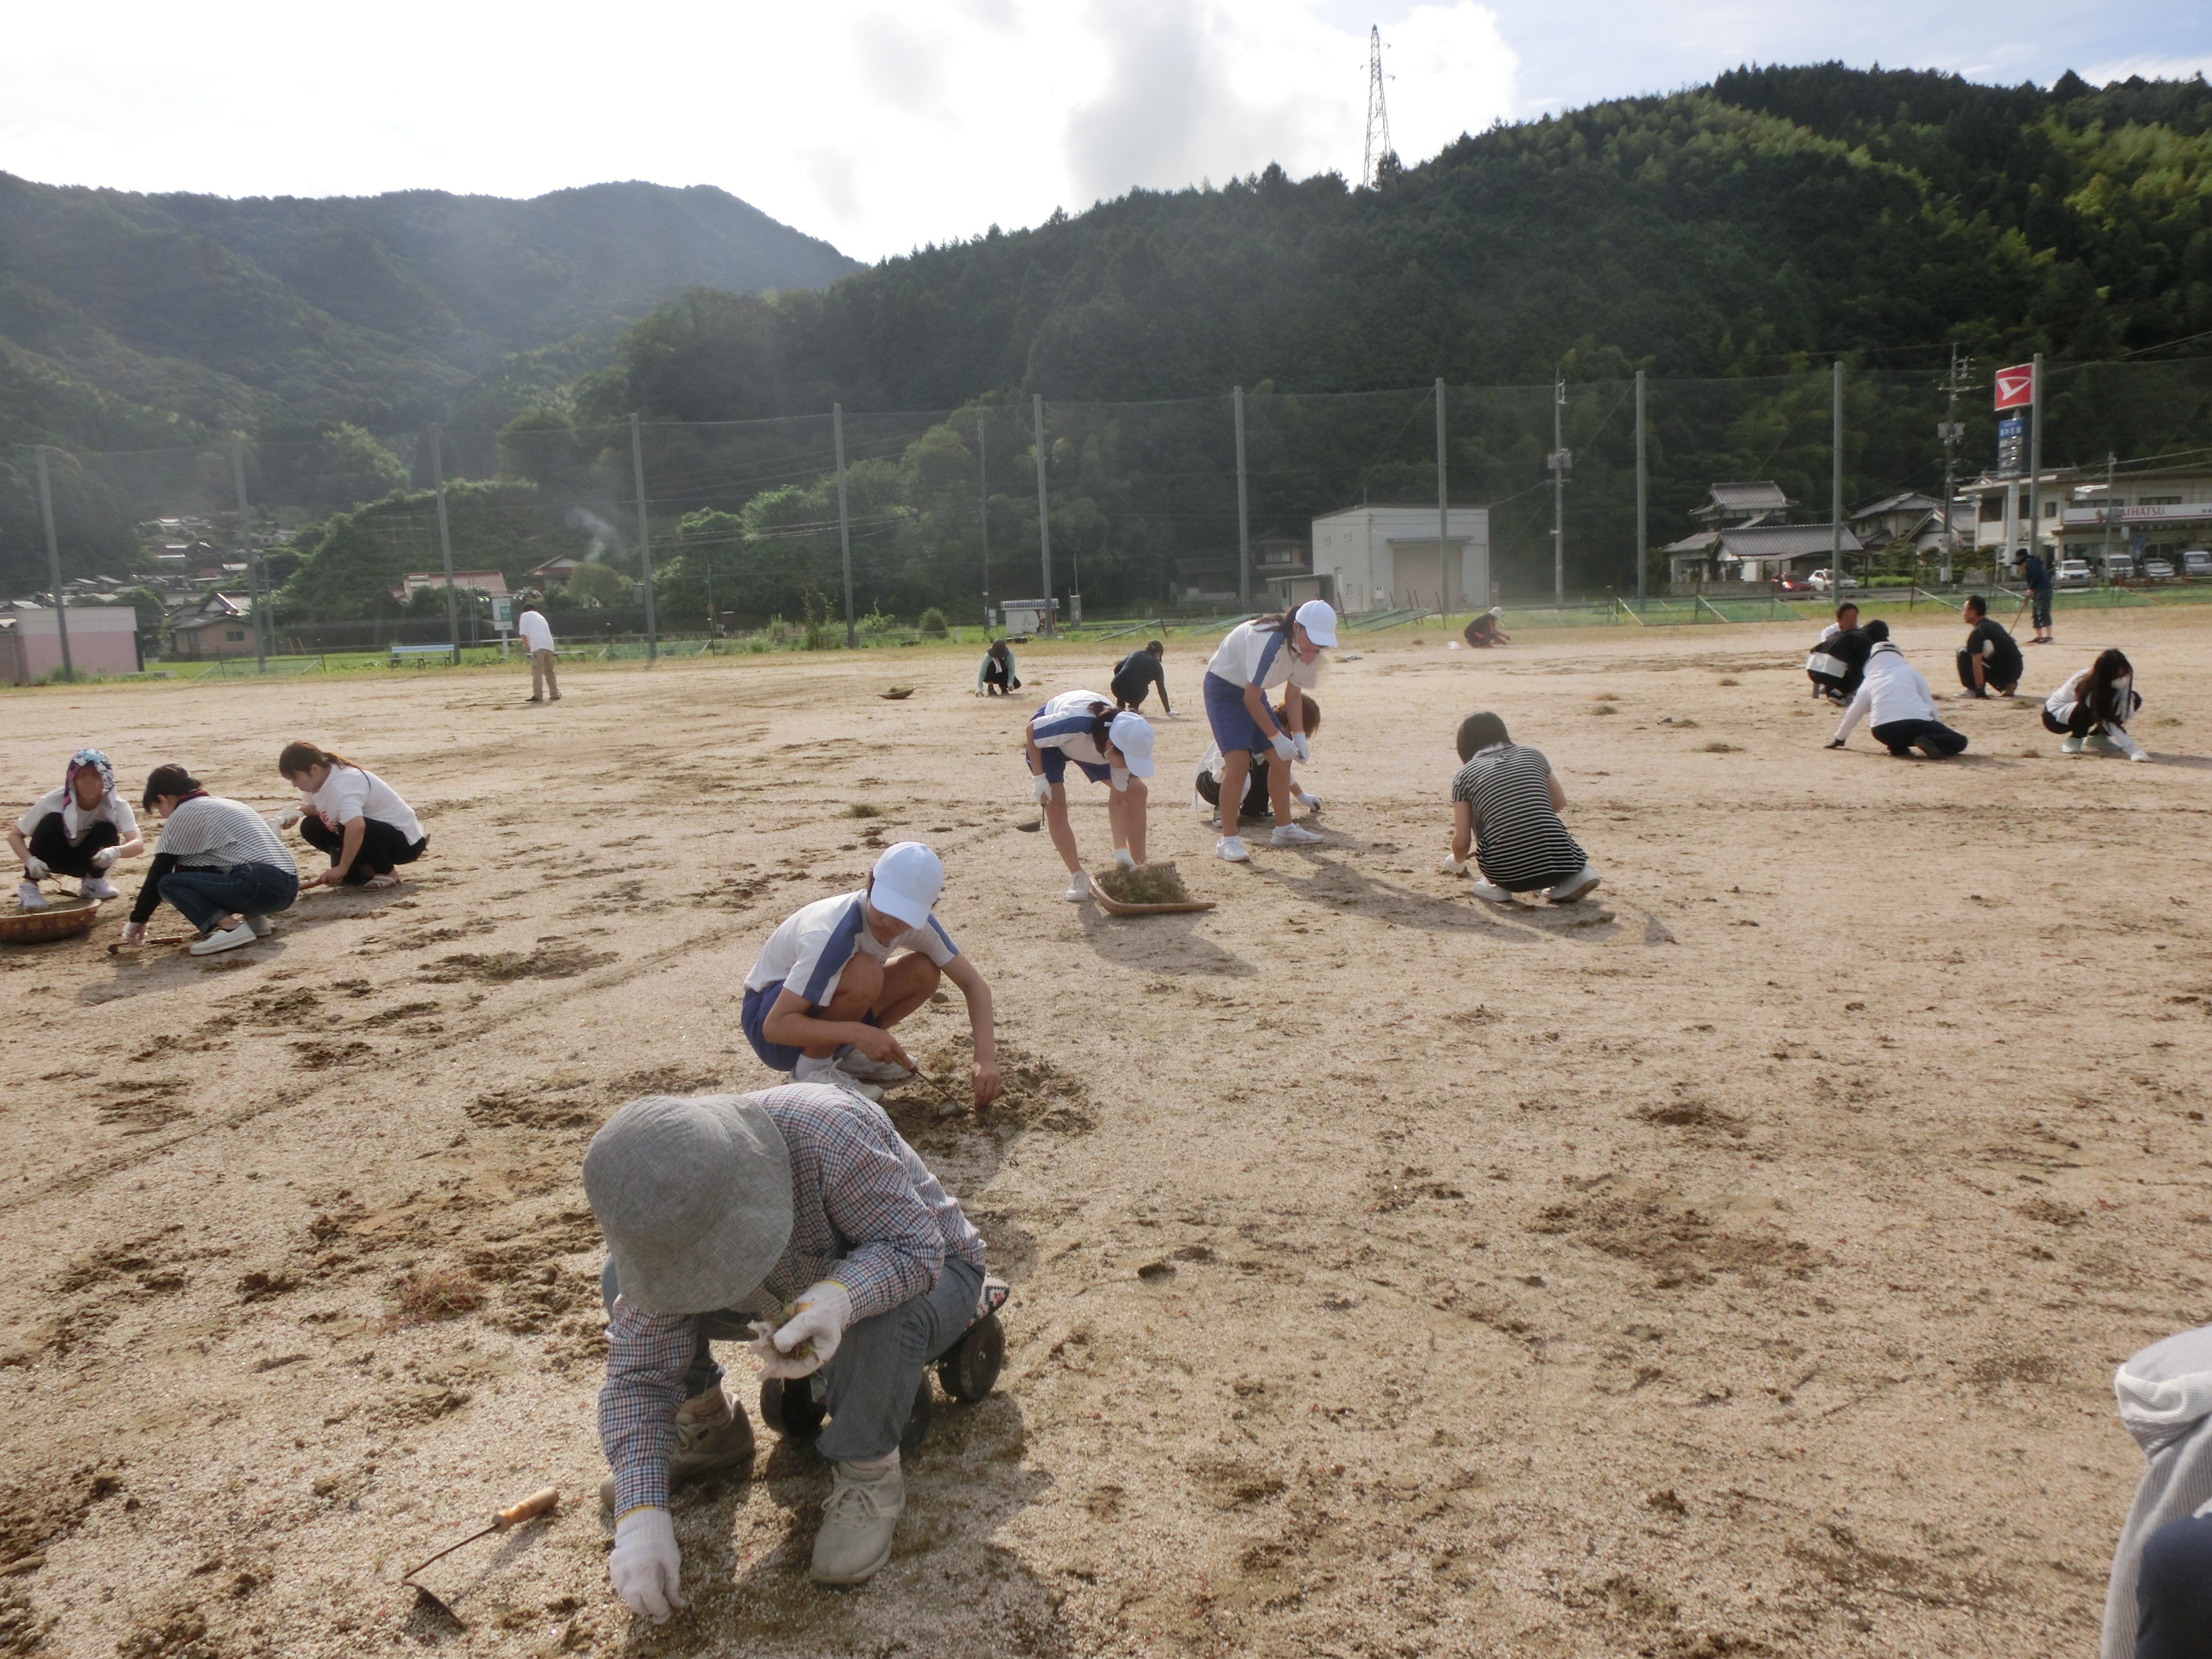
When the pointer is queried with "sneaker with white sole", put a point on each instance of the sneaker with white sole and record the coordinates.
(1492, 891)
(98, 887)
(29, 896)
(1580, 886)
(858, 1519)
(262, 927)
(1232, 848)
(826, 1070)
(1079, 888)
(2071, 746)
(1294, 834)
(854, 1063)
(712, 1432)
(229, 940)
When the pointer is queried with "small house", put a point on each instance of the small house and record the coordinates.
(1383, 557)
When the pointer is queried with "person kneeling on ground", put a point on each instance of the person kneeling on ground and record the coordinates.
(1505, 804)
(1990, 659)
(723, 1210)
(216, 861)
(1903, 709)
(1205, 788)
(824, 992)
(994, 675)
(1838, 663)
(2159, 1602)
(79, 829)
(351, 814)
(2099, 702)
(1108, 748)
(1136, 674)
(1484, 631)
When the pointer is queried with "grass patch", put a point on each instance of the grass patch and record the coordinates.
(1722, 749)
(1729, 679)
(1148, 884)
(1606, 708)
(439, 1293)
(862, 809)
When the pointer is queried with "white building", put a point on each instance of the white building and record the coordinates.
(2155, 513)
(1379, 558)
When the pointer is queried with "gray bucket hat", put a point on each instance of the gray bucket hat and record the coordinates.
(694, 1196)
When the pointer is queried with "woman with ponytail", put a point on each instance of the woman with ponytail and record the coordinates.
(351, 814)
(1115, 749)
(2098, 702)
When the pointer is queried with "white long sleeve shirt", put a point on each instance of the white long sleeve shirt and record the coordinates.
(1894, 689)
(2062, 702)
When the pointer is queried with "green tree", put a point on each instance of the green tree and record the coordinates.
(593, 585)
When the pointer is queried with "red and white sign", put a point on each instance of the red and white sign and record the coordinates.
(2017, 386)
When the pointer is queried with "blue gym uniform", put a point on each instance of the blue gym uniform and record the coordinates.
(808, 953)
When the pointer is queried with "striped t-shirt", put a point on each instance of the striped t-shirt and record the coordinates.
(1519, 842)
(210, 833)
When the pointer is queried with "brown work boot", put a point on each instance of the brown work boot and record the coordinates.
(712, 1432)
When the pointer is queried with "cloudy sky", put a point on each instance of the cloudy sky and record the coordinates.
(884, 125)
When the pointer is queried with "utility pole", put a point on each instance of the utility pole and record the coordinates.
(253, 567)
(446, 541)
(1378, 116)
(2035, 458)
(54, 564)
(1443, 515)
(1044, 522)
(2112, 466)
(983, 486)
(1951, 431)
(1835, 488)
(1560, 461)
(644, 537)
(1643, 522)
(1244, 517)
(844, 524)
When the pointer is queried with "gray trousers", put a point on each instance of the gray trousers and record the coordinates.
(870, 1383)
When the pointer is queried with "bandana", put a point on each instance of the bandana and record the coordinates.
(74, 819)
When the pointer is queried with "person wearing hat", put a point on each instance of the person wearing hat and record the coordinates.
(825, 990)
(1255, 657)
(79, 829)
(1483, 631)
(995, 675)
(723, 1214)
(1895, 702)
(217, 861)
(1136, 674)
(1112, 749)
(1206, 783)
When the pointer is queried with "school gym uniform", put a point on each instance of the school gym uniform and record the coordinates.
(391, 834)
(1838, 664)
(808, 952)
(2064, 714)
(2001, 661)
(1902, 708)
(65, 836)
(1520, 843)
(1062, 729)
(1251, 655)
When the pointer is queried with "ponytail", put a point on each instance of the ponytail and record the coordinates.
(300, 758)
(1101, 724)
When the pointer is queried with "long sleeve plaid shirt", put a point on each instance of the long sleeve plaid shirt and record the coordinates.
(865, 1211)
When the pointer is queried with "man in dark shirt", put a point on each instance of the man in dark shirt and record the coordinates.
(1991, 659)
(1137, 673)
(2037, 574)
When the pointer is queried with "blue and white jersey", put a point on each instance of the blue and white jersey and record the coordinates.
(1253, 655)
(1065, 723)
(809, 951)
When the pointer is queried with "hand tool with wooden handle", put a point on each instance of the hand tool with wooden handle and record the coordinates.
(529, 1509)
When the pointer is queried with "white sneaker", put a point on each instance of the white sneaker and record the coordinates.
(2071, 746)
(827, 1071)
(229, 940)
(854, 1063)
(1232, 848)
(262, 927)
(1492, 891)
(1293, 835)
(1581, 885)
(29, 896)
(1079, 888)
(858, 1522)
(98, 887)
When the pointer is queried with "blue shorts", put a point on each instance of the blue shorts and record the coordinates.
(776, 1056)
(1234, 728)
(1055, 766)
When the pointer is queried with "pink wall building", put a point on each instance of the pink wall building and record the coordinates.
(103, 640)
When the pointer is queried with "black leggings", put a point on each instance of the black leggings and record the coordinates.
(50, 844)
(381, 846)
(2079, 721)
(1902, 737)
(1256, 804)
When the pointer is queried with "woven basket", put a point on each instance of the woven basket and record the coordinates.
(65, 919)
(1113, 906)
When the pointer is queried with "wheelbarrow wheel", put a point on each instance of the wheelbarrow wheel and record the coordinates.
(917, 1422)
(789, 1407)
(969, 1369)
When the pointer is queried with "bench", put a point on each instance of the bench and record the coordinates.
(401, 651)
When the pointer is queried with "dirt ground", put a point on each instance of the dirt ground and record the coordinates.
(1734, 1266)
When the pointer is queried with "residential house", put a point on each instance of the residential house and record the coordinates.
(215, 625)
(1753, 553)
(1751, 502)
(484, 582)
(554, 572)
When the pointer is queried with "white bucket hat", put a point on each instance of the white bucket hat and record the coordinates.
(1132, 733)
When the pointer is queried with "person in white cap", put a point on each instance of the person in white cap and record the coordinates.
(826, 988)
(1112, 749)
(1484, 631)
(1256, 657)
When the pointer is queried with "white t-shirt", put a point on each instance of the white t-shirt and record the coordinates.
(76, 821)
(537, 632)
(349, 792)
(1065, 723)
(1264, 656)
(809, 951)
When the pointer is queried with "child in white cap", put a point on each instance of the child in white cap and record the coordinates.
(1112, 749)
(826, 988)
(1257, 656)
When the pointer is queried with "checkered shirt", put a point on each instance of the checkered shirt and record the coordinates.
(865, 1211)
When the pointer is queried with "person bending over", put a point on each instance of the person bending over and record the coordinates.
(79, 829)
(216, 861)
(1902, 709)
(825, 990)
(1484, 631)
(994, 675)
(1205, 788)
(2157, 1604)
(537, 639)
(2099, 702)
(1255, 656)
(1838, 663)
(1505, 806)
(1108, 748)
(1136, 674)
(351, 814)
(1991, 659)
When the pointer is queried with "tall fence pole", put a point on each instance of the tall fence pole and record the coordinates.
(254, 570)
(2035, 460)
(645, 539)
(1642, 506)
(1558, 492)
(983, 489)
(54, 564)
(1443, 513)
(1835, 488)
(844, 522)
(1243, 512)
(1044, 520)
(445, 543)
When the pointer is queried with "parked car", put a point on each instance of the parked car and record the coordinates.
(1791, 582)
(2196, 564)
(1826, 582)
(2158, 570)
(2074, 572)
(2120, 568)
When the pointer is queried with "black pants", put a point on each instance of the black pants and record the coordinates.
(2040, 607)
(51, 844)
(2173, 1597)
(1989, 674)
(381, 846)
(1902, 737)
(1256, 804)
(1130, 693)
(998, 683)
(2079, 721)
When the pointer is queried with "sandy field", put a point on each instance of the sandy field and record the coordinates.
(1737, 1265)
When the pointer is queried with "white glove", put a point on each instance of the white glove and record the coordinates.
(646, 1566)
(134, 933)
(1302, 748)
(1284, 748)
(824, 1310)
(35, 870)
(1454, 867)
(1041, 787)
(290, 816)
(2139, 756)
(1311, 802)
(105, 858)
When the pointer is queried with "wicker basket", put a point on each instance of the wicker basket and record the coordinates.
(1113, 906)
(65, 920)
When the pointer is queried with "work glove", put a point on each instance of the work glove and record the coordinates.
(291, 816)
(105, 858)
(646, 1566)
(1311, 802)
(1302, 748)
(1454, 867)
(35, 870)
(134, 933)
(824, 1310)
(1040, 786)
(1284, 748)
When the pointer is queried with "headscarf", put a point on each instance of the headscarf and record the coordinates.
(84, 760)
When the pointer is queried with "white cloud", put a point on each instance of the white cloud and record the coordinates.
(2151, 68)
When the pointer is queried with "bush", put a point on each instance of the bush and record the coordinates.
(591, 584)
(932, 623)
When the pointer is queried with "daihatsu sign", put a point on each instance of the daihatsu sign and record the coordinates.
(2017, 386)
